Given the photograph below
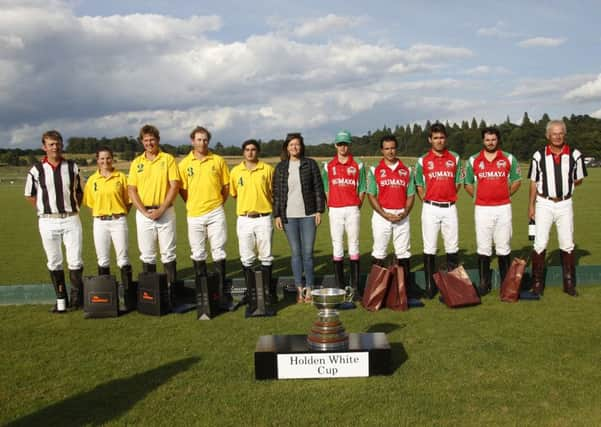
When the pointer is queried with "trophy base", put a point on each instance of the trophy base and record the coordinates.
(288, 357)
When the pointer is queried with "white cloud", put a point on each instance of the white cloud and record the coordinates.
(498, 30)
(542, 42)
(486, 69)
(589, 91)
(326, 24)
(596, 114)
(553, 86)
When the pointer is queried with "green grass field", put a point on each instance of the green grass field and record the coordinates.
(530, 363)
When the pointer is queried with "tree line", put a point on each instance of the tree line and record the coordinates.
(584, 133)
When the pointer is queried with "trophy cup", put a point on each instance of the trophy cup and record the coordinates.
(327, 333)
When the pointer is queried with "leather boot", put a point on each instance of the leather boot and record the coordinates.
(149, 268)
(485, 274)
(413, 291)
(354, 280)
(538, 272)
(202, 292)
(429, 267)
(271, 297)
(104, 270)
(251, 290)
(58, 282)
(504, 263)
(452, 261)
(339, 274)
(377, 261)
(225, 298)
(128, 292)
(76, 279)
(171, 271)
(568, 266)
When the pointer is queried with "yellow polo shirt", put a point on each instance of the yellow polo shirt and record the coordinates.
(151, 177)
(252, 188)
(204, 179)
(107, 196)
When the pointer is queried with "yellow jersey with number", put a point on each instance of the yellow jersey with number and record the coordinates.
(152, 177)
(252, 188)
(204, 180)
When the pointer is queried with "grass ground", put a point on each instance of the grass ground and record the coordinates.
(530, 363)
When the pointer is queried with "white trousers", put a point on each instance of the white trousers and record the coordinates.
(255, 233)
(213, 226)
(562, 214)
(149, 231)
(435, 219)
(383, 230)
(345, 219)
(493, 225)
(114, 230)
(55, 231)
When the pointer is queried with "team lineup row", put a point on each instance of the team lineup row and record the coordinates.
(293, 196)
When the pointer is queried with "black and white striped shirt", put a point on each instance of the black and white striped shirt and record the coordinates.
(57, 189)
(556, 179)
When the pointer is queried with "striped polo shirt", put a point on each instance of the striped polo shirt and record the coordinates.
(57, 189)
(555, 174)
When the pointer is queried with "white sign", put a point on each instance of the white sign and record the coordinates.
(323, 365)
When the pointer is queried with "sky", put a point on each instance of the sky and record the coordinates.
(263, 69)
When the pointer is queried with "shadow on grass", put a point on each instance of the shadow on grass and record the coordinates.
(106, 401)
(385, 327)
(398, 357)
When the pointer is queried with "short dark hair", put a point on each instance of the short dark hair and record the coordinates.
(437, 128)
(53, 135)
(492, 130)
(284, 155)
(149, 130)
(200, 129)
(388, 138)
(101, 149)
(251, 142)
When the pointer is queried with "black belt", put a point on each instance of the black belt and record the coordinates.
(439, 204)
(256, 215)
(151, 207)
(110, 217)
(555, 199)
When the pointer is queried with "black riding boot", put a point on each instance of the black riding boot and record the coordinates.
(76, 279)
(413, 291)
(128, 292)
(171, 271)
(429, 267)
(452, 261)
(149, 268)
(377, 261)
(202, 292)
(225, 299)
(104, 270)
(271, 297)
(339, 274)
(504, 263)
(354, 280)
(58, 282)
(485, 274)
(251, 290)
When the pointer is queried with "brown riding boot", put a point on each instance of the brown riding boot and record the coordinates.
(569, 273)
(538, 272)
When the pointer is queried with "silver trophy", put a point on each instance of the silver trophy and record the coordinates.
(327, 333)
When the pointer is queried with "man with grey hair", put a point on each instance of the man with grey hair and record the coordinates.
(554, 172)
